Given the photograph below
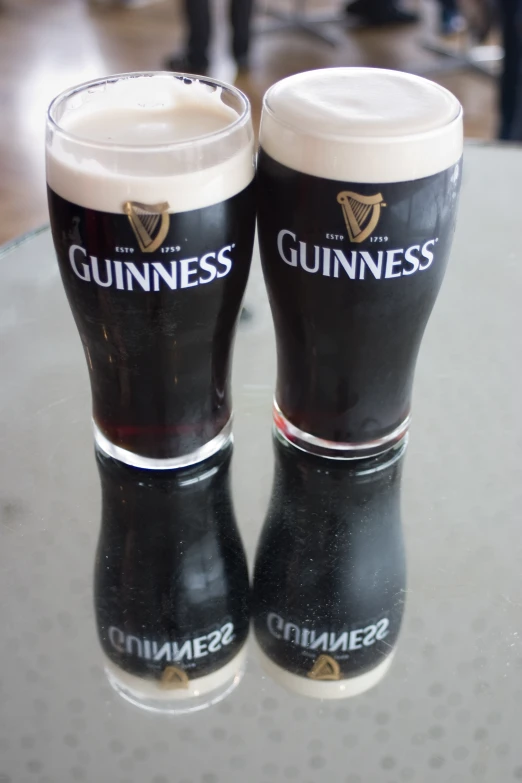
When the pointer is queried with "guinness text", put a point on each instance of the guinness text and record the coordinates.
(150, 275)
(168, 651)
(327, 641)
(355, 264)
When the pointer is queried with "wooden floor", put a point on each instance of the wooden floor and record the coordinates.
(48, 45)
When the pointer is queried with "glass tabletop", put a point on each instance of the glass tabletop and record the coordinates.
(450, 707)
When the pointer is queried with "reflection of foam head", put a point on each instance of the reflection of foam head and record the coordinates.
(149, 138)
(362, 125)
(326, 689)
(173, 696)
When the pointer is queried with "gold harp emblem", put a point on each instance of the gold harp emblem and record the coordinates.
(325, 668)
(174, 678)
(361, 213)
(150, 223)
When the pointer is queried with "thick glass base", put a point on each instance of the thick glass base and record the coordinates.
(221, 440)
(320, 689)
(332, 449)
(198, 694)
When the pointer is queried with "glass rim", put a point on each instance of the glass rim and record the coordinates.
(354, 138)
(242, 119)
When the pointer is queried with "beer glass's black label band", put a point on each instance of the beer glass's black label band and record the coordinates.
(147, 655)
(353, 271)
(354, 232)
(148, 250)
(156, 298)
(327, 653)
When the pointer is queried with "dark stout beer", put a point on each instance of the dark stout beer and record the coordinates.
(357, 209)
(157, 334)
(329, 582)
(171, 584)
(152, 213)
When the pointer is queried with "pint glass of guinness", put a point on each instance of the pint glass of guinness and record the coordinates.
(359, 175)
(171, 588)
(150, 183)
(330, 573)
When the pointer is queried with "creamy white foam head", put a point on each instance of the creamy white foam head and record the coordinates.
(321, 689)
(362, 125)
(201, 691)
(149, 138)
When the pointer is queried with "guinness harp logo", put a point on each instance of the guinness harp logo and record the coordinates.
(150, 223)
(325, 668)
(174, 678)
(361, 213)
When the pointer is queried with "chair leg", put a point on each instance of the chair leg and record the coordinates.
(485, 60)
(299, 20)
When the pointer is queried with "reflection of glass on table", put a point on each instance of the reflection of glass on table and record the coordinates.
(451, 703)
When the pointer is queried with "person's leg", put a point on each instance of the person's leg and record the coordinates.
(240, 18)
(198, 17)
(451, 20)
(516, 122)
(195, 56)
(380, 12)
(511, 67)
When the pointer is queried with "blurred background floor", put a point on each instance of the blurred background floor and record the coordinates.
(49, 45)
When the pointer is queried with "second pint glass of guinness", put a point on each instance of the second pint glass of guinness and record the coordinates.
(150, 180)
(359, 175)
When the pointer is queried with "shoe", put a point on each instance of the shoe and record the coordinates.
(185, 65)
(375, 13)
(243, 65)
(451, 23)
